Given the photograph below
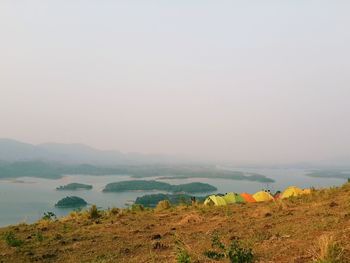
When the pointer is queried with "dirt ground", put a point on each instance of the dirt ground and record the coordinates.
(287, 230)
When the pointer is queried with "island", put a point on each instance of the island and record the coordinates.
(151, 185)
(74, 186)
(176, 199)
(71, 202)
(330, 173)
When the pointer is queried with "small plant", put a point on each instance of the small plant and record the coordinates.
(163, 205)
(183, 257)
(49, 216)
(219, 248)
(235, 252)
(238, 254)
(93, 212)
(39, 237)
(137, 207)
(114, 211)
(11, 240)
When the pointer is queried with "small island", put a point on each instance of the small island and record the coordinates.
(74, 186)
(330, 173)
(151, 185)
(71, 202)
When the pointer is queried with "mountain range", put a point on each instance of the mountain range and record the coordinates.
(14, 151)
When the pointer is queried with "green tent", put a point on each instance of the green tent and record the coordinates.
(232, 198)
(215, 200)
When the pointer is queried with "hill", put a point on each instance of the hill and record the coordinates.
(15, 151)
(311, 228)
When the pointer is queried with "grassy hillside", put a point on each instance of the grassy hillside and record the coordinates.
(313, 228)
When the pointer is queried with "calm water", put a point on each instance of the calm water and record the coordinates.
(27, 200)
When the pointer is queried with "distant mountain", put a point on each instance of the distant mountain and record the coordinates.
(14, 151)
(11, 150)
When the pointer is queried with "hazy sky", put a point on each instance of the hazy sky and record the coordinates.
(224, 80)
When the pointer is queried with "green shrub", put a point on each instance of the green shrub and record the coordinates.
(49, 216)
(11, 240)
(219, 249)
(93, 212)
(235, 252)
(114, 211)
(39, 236)
(183, 257)
(137, 207)
(238, 254)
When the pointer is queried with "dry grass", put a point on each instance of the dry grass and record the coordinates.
(282, 231)
(327, 250)
(163, 205)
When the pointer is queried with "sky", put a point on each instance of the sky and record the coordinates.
(241, 81)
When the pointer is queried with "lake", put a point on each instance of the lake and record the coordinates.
(26, 199)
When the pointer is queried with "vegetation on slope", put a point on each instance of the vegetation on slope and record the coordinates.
(150, 185)
(176, 199)
(310, 228)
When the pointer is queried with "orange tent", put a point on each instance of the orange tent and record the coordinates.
(248, 197)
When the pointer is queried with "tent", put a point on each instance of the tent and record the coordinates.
(248, 198)
(215, 200)
(262, 196)
(232, 198)
(292, 191)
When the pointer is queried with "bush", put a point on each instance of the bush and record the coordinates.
(235, 252)
(49, 216)
(11, 240)
(137, 207)
(114, 211)
(39, 236)
(163, 205)
(93, 212)
(183, 257)
(238, 254)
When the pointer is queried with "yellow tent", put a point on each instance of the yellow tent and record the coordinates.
(307, 191)
(292, 191)
(215, 200)
(262, 196)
